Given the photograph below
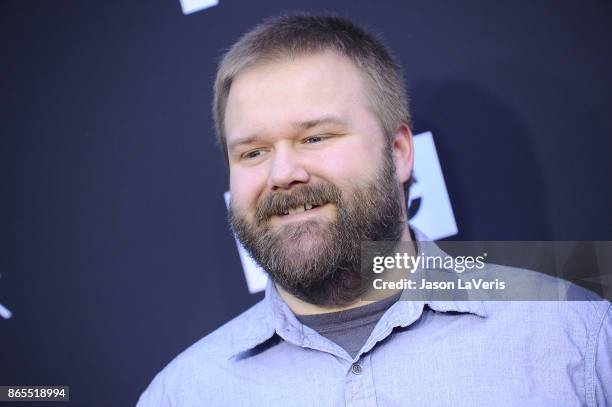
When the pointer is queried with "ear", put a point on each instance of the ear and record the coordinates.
(403, 153)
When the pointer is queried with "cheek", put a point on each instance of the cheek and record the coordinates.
(353, 163)
(342, 169)
(245, 188)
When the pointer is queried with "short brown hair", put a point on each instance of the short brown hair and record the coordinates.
(295, 35)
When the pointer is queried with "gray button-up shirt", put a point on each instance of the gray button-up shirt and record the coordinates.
(442, 353)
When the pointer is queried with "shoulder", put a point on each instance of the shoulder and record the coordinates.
(203, 365)
(544, 297)
(547, 311)
(573, 335)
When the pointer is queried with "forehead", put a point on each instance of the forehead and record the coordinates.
(270, 96)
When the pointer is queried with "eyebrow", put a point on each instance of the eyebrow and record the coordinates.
(243, 140)
(301, 126)
(306, 125)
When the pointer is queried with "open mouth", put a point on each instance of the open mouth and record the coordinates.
(299, 209)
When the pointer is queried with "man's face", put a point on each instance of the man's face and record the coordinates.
(311, 174)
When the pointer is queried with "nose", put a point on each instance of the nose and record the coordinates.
(286, 170)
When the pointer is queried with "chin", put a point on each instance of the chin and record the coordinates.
(304, 232)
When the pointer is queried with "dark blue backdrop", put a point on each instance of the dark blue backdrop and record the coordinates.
(116, 254)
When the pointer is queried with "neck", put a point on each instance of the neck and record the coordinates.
(301, 307)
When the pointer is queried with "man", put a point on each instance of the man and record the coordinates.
(312, 118)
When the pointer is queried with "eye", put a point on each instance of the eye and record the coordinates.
(249, 155)
(313, 139)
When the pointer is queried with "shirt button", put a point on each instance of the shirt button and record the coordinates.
(356, 368)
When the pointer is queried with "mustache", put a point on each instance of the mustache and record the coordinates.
(280, 202)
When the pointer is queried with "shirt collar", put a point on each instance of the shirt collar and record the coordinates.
(474, 306)
(274, 318)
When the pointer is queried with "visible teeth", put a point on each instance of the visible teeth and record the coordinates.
(299, 209)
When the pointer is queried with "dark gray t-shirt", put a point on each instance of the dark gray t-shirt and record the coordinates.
(351, 328)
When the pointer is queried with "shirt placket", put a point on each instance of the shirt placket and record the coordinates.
(359, 385)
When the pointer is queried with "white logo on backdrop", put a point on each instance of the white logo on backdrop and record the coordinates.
(4, 312)
(430, 207)
(191, 6)
(434, 216)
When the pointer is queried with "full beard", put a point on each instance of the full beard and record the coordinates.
(315, 260)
